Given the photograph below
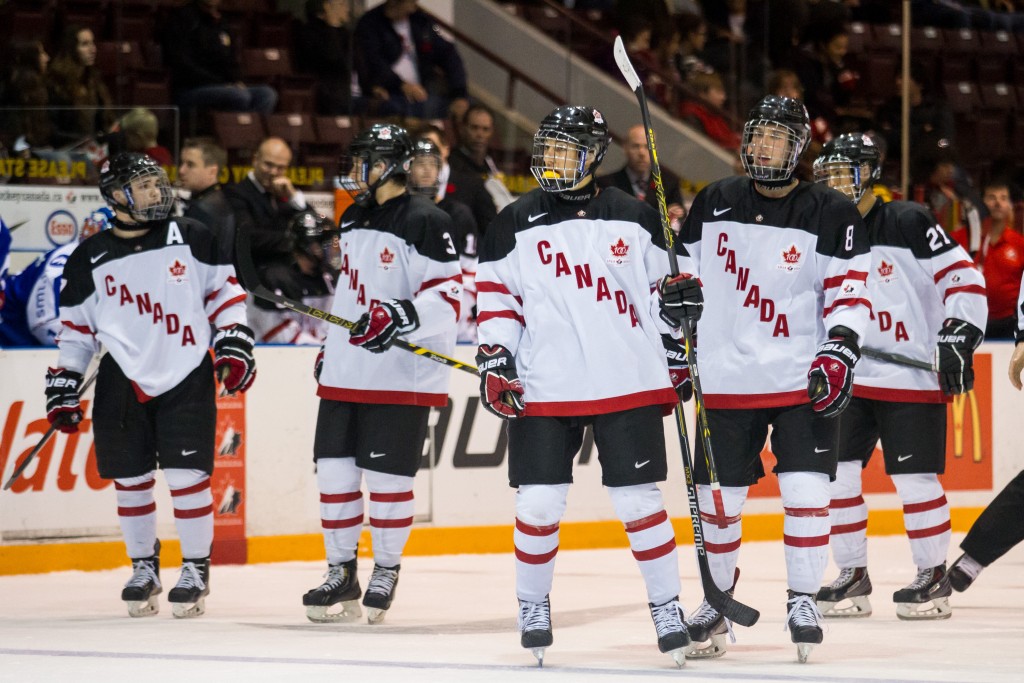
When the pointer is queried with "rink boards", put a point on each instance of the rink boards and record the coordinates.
(62, 516)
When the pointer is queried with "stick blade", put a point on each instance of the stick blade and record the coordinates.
(625, 66)
(734, 610)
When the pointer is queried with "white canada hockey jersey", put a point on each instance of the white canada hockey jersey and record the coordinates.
(777, 275)
(149, 300)
(570, 289)
(918, 278)
(400, 250)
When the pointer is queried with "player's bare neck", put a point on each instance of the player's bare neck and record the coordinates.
(776, 192)
(388, 190)
(866, 203)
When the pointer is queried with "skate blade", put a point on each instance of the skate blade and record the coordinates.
(714, 648)
(850, 608)
(538, 652)
(318, 614)
(375, 615)
(914, 611)
(188, 610)
(803, 651)
(143, 608)
(679, 656)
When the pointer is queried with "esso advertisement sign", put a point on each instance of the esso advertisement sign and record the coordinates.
(61, 228)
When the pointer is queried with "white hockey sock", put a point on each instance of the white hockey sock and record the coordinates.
(136, 511)
(391, 512)
(925, 517)
(341, 507)
(805, 497)
(722, 536)
(539, 508)
(193, 510)
(651, 538)
(848, 516)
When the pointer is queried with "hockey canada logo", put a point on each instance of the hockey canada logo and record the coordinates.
(384, 134)
(790, 259)
(619, 253)
(387, 259)
(598, 118)
(177, 273)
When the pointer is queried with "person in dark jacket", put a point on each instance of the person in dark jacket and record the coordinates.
(202, 160)
(323, 49)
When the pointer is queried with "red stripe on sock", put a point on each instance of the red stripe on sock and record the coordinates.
(806, 512)
(655, 552)
(722, 548)
(136, 511)
(401, 497)
(340, 497)
(838, 503)
(849, 528)
(194, 512)
(530, 558)
(805, 541)
(533, 530)
(341, 523)
(144, 486)
(646, 522)
(390, 523)
(714, 519)
(930, 531)
(925, 506)
(189, 490)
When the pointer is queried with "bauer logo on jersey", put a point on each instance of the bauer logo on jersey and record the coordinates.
(790, 259)
(387, 259)
(177, 273)
(887, 271)
(619, 253)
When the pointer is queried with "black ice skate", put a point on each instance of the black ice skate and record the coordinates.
(188, 597)
(380, 592)
(927, 597)
(139, 594)
(534, 624)
(847, 596)
(804, 622)
(340, 587)
(708, 627)
(963, 572)
(672, 636)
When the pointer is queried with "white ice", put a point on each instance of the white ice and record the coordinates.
(454, 620)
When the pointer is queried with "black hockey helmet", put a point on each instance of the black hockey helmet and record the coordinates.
(772, 122)
(316, 236)
(119, 173)
(382, 143)
(582, 133)
(425, 169)
(849, 163)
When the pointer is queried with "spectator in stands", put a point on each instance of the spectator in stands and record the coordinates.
(1000, 258)
(475, 131)
(202, 161)
(201, 54)
(693, 35)
(704, 114)
(75, 81)
(786, 83)
(25, 127)
(460, 186)
(941, 185)
(407, 61)
(263, 203)
(931, 119)
(140, 129)
(323, 49)
(635, 177)
(828, 83)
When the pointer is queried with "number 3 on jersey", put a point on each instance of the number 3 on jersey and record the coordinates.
(451, 245)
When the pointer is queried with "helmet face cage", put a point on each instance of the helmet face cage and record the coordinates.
(849, 164)
(136, 175)
(559, 160)
(425, 169)
(771, 150)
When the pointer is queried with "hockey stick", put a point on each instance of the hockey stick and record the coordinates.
(898, 359)
(249, 279)
(42, 442)
(728, 606)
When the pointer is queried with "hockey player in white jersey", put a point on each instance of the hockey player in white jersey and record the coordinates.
(783, 265)
(925, 291)
(148, 290)
(32, 314)
(398, 275)
(571, 335)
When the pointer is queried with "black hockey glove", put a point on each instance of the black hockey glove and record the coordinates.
(830, 379)
(955, 355)
(318, 366)
(377, 329)
(500, 387)
(681, 297)
(233, 360)
(678, 367)
(63, 394)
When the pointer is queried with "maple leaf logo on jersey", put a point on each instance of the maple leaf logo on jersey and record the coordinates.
(792, 256)
(387, 259)
(619, 252)
(177, 272)
(885, 270)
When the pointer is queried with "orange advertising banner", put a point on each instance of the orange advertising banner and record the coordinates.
(228, 482)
